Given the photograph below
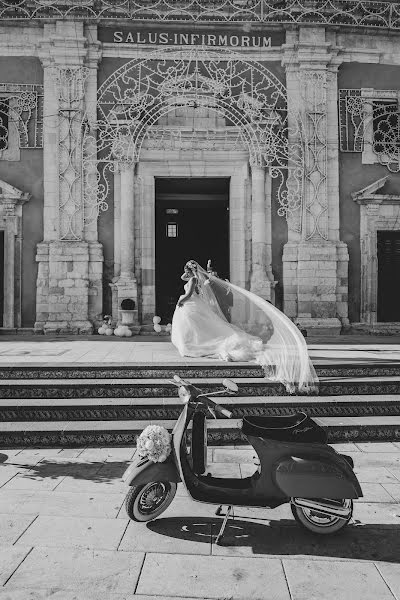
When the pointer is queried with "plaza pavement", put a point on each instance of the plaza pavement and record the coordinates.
(65, 535)
(109, 350)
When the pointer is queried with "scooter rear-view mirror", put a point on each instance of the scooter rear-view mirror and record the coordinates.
(230, 385)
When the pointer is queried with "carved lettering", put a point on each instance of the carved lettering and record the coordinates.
(144, 36)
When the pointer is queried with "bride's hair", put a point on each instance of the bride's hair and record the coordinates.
(192, 265)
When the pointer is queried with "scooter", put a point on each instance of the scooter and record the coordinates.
(295, 465)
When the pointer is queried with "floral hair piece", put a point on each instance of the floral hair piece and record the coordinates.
(191, 264)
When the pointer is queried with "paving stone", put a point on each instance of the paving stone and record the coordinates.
(393, 489)
(377, 447)
(61, 504)
(107, 454)
(376, 459)
(377, 514)
(40, 452)
(345, 448)
(70, 532)
(70, 452)
(375, 492)
(170, 535)
(113, 486)
(395, 471)
(213, 577)
(217, 469)
(30, 481)
(285, 539)
(29, 594)
(141, 597)
(94, 574)
(73, 467)
(6, 477)
(391, 574)
(10, 558)
(12, 527)
(374, 475)
(318, 580)
(234, 456)
(246, 469)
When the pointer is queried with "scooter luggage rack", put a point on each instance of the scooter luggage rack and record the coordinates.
(218, 512)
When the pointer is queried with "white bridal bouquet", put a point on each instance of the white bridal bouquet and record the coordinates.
(155, 443)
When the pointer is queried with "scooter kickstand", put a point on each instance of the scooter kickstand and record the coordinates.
(221, 531)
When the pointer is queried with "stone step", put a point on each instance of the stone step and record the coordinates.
(147, 409)
(192, 370)
(159, 388)
(220, 432)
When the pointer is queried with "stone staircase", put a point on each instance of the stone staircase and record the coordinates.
(83, 405)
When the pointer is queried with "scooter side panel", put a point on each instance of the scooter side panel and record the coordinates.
(307, 478)
(143, 471)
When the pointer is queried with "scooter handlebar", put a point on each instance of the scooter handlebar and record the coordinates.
(222, 411)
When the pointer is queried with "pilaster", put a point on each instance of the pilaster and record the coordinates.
(69, 285)
(262, 281)
(314, 259)
(124, 285)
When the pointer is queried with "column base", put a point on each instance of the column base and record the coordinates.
(316, 282)
(319, 327)
(63, 288)
(71, 327)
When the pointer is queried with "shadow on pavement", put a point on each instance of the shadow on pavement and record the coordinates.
(96, 471)
(285, 538)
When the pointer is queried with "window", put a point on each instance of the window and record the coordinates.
(172, 230)
(385, 124)
(380, 128)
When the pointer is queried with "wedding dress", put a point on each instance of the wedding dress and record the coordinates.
(198, 330)
(250, 329)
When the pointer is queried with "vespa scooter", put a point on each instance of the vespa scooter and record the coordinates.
(295, 465)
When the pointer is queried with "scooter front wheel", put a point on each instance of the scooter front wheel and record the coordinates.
(321, 523)
(147, 502)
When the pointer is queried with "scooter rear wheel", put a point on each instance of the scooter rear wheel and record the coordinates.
(146, 502)
(320, 523)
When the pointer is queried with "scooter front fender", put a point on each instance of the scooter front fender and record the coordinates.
(142, 471)
(306, 477)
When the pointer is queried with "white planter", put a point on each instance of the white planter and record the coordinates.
(127, 317)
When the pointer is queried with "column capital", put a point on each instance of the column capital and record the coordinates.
(311, 56)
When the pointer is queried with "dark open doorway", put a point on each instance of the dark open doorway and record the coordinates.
(192, 222)
(388, 276)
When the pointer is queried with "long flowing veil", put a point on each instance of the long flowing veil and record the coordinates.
(283, 352)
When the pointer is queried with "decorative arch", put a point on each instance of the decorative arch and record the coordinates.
(139, 93)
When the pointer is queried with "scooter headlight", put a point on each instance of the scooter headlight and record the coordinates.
(183, 394)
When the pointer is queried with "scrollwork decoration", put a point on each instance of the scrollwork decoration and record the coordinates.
(137, 96)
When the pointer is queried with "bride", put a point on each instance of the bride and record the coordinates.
(217, 319)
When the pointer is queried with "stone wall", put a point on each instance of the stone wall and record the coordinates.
(353, 175)
(26, 175)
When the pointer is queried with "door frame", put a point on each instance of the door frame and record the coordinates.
(148, 171)
(378, 212)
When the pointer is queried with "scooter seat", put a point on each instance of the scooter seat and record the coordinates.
(297, 427)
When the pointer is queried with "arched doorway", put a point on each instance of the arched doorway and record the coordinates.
(133, 102)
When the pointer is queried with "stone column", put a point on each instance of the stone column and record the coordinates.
(125, 286)
(314, 260)
(64, 255)
(262, 282)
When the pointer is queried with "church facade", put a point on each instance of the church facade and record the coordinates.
(262, 135)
